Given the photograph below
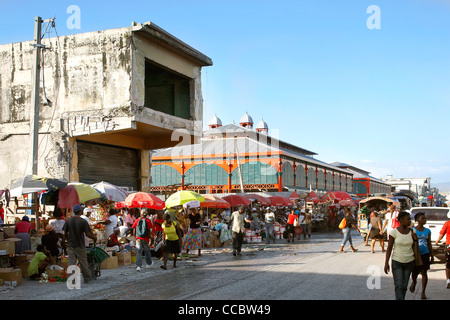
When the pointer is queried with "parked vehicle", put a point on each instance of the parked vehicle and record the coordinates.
(436, 217)
(377, 203)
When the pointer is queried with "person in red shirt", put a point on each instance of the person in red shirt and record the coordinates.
(446, 231)
(290, 227)
(143, 236)
(22, 231)
(2, 212)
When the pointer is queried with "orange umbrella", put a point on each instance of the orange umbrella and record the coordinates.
(213, 202)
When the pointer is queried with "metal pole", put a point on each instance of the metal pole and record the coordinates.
(34, 115)
(34, 118)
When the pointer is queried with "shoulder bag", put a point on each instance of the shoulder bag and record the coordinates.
(415, 247)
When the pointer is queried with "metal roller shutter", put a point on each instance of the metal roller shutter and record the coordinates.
(116, 165)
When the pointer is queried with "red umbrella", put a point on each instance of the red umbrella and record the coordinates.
(336, 196)
(312, 197)
(144, 200)
(347, 203)
(279, 201)
(262, 200)
(213, 202)
(294, 196)
(236, 200)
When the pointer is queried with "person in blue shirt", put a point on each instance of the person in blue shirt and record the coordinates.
(424, 235)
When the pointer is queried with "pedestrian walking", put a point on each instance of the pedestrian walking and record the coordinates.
(193, 238)
(308, 223)
(302, 222)
(376, 232)
(237, 228)
(424, 237)
(74, 230)
(172, 240)
(143, 227)
(269, 220)
(391, 219)
(445, 231)
(400, 247)
(292, 222)
(346, 230)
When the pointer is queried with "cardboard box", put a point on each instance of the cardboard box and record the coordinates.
(123, 258)
(7, 248)
(9, 231)
(110, 263)
(11, 276)
(23, 266)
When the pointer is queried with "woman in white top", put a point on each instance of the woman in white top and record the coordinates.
(400, 246)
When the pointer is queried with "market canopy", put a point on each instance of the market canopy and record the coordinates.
(180, 197)
(34, 183)
(143, 200)
(236, 200)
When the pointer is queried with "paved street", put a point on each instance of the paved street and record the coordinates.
(308, 269)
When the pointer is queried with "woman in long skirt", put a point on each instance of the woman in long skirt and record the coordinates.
(193, 238)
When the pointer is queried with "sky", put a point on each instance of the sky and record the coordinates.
(368, 88)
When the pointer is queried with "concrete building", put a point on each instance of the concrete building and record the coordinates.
(233, 157)
(421, 187)
(114, 96)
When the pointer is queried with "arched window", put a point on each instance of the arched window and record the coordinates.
(206, 174)
(312, 181)
(164, 175)
(320, 180)
(287, 174)
(255, 172)
(300, 176)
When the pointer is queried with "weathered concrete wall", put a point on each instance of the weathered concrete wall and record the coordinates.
(145, 49)
(95, 82)
(86, 74)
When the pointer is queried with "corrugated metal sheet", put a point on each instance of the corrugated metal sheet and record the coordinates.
(116, 165)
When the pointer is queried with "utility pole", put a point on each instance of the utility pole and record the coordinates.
(35, 97)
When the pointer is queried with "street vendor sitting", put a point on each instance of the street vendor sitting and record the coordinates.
(113, 243)
(39, 263)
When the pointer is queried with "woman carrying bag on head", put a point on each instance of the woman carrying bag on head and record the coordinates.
(400, 245)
